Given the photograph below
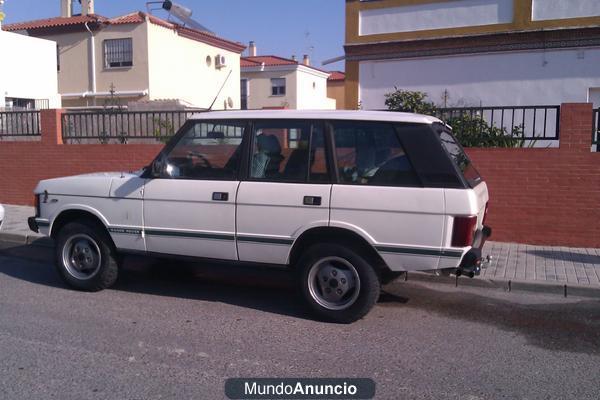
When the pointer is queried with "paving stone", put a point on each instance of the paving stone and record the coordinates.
(510, 261)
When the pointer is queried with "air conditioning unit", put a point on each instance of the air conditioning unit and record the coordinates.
(220, 61)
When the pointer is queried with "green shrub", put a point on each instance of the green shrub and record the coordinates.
(470, 130)
(474, 131)
(407, 101)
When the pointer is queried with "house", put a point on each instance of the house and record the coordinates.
(137, 57)
(27, 73)
(473, 52)
(336, 88)
(276, 82)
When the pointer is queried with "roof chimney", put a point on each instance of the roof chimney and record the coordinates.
(293, 57)
(306, 60)
(87, 7)
(66, 8)
(252, 49)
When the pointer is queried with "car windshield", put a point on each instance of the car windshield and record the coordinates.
(459, 157)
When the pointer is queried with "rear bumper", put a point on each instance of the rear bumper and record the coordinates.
(470, 265)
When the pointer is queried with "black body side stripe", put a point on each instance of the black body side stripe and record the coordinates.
(419, 251)
(256, 239)
(196, 235)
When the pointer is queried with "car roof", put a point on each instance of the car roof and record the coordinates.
(350, 115)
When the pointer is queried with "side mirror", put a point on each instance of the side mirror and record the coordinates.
(162, 169)
(158, 167)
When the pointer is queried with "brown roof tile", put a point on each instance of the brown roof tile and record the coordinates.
(270, 61)
(336, 76)
(54, 22)
(133, 18)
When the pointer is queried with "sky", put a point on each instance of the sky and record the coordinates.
(279, 27)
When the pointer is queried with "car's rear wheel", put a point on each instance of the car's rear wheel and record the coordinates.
(337, 283)
(85, 257)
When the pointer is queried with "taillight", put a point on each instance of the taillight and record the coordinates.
(37, 205)
(463, 231)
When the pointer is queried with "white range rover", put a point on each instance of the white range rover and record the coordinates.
(347, 199)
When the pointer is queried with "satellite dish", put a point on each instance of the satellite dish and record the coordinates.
(230, 102)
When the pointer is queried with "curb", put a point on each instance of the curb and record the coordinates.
(563, 289)
(30, 239)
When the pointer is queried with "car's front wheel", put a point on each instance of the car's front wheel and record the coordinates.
(85, 257)
(337, 283)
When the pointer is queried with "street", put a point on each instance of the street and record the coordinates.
(177, 332)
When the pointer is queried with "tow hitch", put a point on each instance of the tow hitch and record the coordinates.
(472, 262)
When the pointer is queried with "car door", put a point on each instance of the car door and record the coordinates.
(287, 192)
(380, 196)
(189, 208)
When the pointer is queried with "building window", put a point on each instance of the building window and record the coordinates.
(58, 57)
(278, 87)
(244, 94)
(118, 53)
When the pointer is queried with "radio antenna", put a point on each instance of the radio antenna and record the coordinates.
(219, 92)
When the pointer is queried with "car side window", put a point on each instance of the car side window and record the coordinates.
(288, 151)
(207, 150)
(370, 153)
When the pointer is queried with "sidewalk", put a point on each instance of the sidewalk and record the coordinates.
(14, 228)
(512, 267)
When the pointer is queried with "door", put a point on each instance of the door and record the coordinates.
(190, 208)
(287, 192)
(380, 196)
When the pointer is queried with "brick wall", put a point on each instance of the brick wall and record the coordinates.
(546, 196)
(23, 164)
(538, 196)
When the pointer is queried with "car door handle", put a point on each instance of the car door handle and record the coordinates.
(312, 200)
(220, 196)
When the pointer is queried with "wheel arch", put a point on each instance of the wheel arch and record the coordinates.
(70, 214)
(337, 235)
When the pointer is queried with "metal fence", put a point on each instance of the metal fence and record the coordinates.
(596, 130)
(19, 125)
(525, 123)
(119, 126)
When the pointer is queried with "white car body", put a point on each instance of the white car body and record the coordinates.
(410, 228)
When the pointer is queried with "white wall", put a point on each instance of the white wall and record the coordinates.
(306, 88)
(312, 90)
(561, 9)
(260, 91)
(28, 68)
(178, 70)
(446, 14)
(518, 78)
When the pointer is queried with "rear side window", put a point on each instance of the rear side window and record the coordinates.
(459, 157)
(289, 151)
(370, 153)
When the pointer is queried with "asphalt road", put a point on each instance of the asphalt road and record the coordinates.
(174, 332)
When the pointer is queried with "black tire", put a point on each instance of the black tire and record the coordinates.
(317, 257)
(105, 274)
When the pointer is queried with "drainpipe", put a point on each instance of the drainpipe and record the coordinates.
(92, 59)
